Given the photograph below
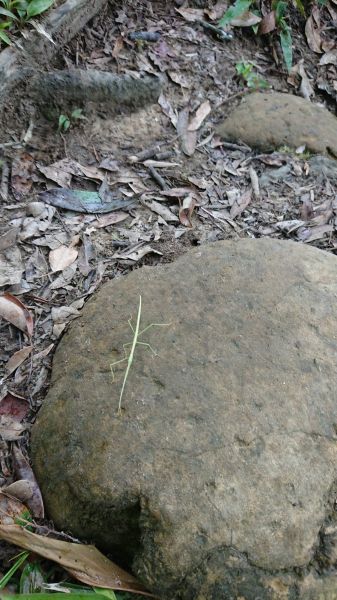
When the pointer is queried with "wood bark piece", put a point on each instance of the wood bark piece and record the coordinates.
(23, 68)
(94, 86)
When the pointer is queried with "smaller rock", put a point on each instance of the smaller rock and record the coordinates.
(269, 121)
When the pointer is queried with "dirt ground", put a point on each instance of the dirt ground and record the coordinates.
(207, 190)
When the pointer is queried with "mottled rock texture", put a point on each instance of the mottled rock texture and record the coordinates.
(219, 478)
(270, 121)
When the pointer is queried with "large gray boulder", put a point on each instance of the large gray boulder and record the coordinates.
(219, 477)
(269, 121)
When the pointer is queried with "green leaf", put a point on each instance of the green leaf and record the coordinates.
(54, 596)
(4, 37)
(280, 11)
(19, 561)
(106, 593)
(235, 11)
(300, 7)
(8, 13)
(286, 45)
(77, 114)
(32, 579)
(36, 7)
(64, 123)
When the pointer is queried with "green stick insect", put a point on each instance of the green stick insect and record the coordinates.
(129, 357)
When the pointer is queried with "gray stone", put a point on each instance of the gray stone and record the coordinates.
(270, 121)
(218, 480)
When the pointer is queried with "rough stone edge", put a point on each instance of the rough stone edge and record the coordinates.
(62, 24)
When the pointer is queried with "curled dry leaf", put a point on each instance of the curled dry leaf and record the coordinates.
(15, 312)
(186, 210)
(191, 14)
(268, 23)
(313, 36)
(11, 509)
(17, 359)
(188, 139)
(24, 471)
(246, 19)
(85, 563)
(240, 204)
(200, 115)
(21, 490)
(62, 257)
(22, 169)
(10, 428)
(109, 219)
(14, 406)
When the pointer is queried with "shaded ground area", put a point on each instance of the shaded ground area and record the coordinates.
(207, 190)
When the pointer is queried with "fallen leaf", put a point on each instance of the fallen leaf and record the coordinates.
(191, 14)
(268, 23)
(200, 115)
(18, 358)
(240, 204)
(12, 510)
(167, 109)
(179, 79)
(14, 406)
(22, 169)
(62, 257)
(160, 209)
(109, 164)
(329, 58)
(311, 234)
(109, 219)
(136, 253)
(84, 201)
(20, 490)
(56, 173)
(188, 139)
(8, 239)
(83, 562)
(246, 19)
(24, 471)
(15, 312)
(313, 36)
(11, 266)
(186, 210)
(10, 428)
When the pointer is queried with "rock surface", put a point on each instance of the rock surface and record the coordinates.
(219, 478)
(269, 121)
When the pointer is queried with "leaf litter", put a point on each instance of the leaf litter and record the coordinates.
(91, 205)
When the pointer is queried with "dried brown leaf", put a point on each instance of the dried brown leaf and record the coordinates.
(18, 358)
(22, 169)
(11, 509)
(188, 139)
(15, 406)
(14, 311)
(240, 204)
(186, 210)
(246, 19)
(313, 36)
(24, 471)
(191, 15)
(199, 117)
(10, 428)
(268, 23)
(62, 257)
(85, 563)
